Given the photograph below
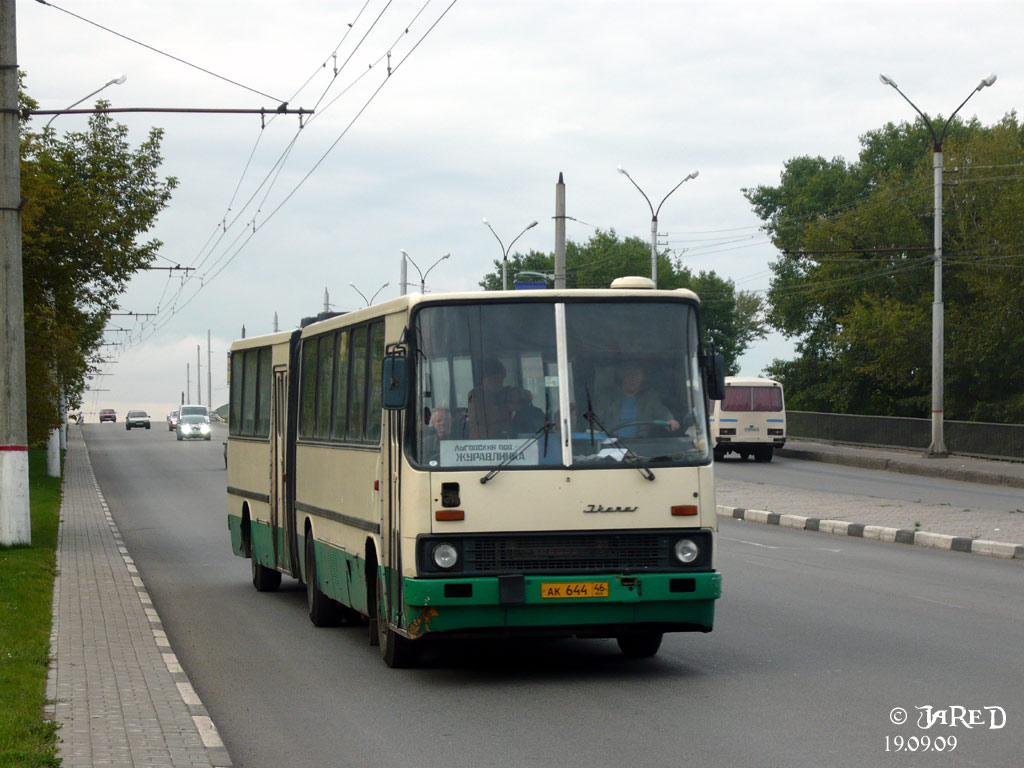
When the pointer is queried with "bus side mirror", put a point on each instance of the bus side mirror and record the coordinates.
(714, 373)
(395, 381)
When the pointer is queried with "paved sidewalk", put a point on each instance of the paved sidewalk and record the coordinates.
(994, 532)
(119, 693)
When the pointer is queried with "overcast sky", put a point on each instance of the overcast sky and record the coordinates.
(477, 119)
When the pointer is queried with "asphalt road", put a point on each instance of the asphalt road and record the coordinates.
(817, 476)
(818, 640)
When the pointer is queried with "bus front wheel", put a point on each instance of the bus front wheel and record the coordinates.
(641, 645)
(397, 651)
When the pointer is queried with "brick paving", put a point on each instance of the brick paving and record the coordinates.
(117, 689)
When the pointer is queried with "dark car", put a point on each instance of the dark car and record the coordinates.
(107, 414)
(137, 419)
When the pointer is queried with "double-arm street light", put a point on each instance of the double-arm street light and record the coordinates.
(654, 217)
(505, 251)
(113, 81)
(423, 275)
(369, 301)
(938, 445)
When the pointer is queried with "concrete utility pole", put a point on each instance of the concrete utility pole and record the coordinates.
(199, 377)
(209, 370)
(188, 386)
(560, 232)
(15, 519)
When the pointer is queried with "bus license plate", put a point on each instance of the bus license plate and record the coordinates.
(574, 589)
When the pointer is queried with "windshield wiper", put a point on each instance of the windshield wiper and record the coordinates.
(629, 455)
(542, 432)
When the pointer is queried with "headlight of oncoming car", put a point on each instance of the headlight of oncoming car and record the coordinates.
(204, 428)
(445, 555)
(686, 551)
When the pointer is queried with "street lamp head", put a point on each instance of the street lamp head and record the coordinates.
(622, 170)
(532, 225)
(886, 80)
(119, 79)
(402, 251)
(484, 220)
(445, 256)
(693, 175)
(987, 81)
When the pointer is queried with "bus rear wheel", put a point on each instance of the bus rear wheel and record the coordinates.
(764, 453)
(398, 652)
(641, 645)
(323, 611)
(263, 578)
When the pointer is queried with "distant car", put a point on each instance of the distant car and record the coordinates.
(172, 421)
(193, 427)
(137, 419)
(107, 414)
(195, 410)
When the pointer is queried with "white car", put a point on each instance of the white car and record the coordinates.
(193, 427)
(137, 419)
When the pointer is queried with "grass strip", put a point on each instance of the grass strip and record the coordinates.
(26, 600)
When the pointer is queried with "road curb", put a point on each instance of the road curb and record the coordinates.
(1000, 549)
(933, 467)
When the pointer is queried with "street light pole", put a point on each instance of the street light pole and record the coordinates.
(654, 217)
(938, 445)
(505, 251)
(423, 275)
(113, 81)
(369, 301)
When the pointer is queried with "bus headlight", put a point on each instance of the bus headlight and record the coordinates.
(445, 555)
(686, 551)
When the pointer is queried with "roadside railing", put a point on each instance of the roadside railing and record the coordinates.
(966, 438)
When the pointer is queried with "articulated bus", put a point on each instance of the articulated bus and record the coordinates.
(750, 419)
(458, 465)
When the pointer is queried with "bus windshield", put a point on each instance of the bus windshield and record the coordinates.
(493, 381)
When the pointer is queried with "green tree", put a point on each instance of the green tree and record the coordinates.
(89, 199)
(733, 319)
(854, 282)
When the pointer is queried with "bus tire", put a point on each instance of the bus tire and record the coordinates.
(398, 652)
(640, 645)
(323, 611)
(263, 578)
(719, 453)
(764, 454)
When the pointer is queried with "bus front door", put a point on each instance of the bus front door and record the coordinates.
(390, 524)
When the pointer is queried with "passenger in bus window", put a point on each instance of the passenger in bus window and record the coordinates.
(527, 418)
(635, 405)
(440, 428)
(490, 404)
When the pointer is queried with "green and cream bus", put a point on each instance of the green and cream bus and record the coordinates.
(750, 420)
(438, 466)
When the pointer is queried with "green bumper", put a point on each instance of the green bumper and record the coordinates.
(672, 601)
